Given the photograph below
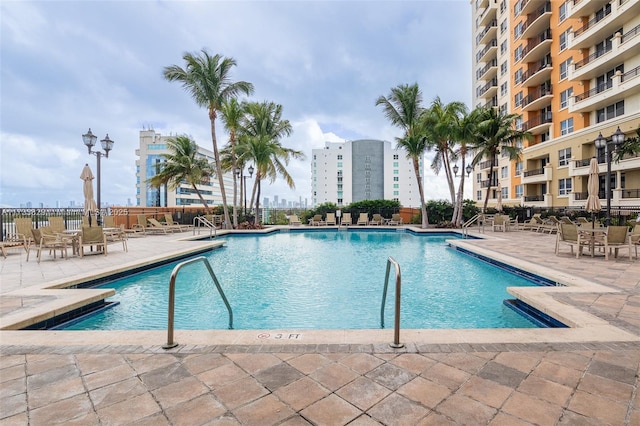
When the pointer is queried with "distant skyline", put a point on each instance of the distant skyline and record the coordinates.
(68, 66)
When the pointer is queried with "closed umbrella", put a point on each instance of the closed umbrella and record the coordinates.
(499, 195)
(593, 201)
(89, 202)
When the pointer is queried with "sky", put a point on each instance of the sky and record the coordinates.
(67, 66)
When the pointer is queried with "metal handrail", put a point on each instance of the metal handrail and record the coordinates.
(172, 290)
(477, 218)
(198, 220)
(396, 334)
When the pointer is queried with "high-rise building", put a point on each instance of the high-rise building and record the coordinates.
(149, 153)
(346, 172)
(571, 70)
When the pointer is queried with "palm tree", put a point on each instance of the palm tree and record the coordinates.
(183, 164)
(262, 129)
(465, 131)
(403, 109)
(231, 113)
(207, 79)
(495, 134)
(440, 124)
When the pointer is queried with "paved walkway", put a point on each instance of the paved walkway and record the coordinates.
(448, 377)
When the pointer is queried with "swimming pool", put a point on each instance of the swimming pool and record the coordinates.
(319, 280)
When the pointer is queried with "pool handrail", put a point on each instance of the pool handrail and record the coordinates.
(172, 287)
(203, 221)
(396, 330)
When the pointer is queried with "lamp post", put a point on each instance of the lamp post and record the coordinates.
(89, 140)
(616, 139)
(467, 169)
(250, 170)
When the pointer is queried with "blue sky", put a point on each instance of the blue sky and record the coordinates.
(70, 65)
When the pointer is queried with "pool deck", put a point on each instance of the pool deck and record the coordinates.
(586, 374)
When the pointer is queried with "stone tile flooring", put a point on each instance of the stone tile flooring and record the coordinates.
(524, 383)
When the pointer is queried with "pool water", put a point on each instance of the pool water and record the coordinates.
(319, 280)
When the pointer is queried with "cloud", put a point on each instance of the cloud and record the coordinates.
(68, 66)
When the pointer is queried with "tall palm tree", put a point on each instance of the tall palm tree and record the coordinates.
(231, 113)
(465, 131)
(403, 109)
(440, 124)
(207, 79)
(495, 134)
(183, 164)
(262, 129)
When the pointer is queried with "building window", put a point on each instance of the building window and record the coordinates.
(396, 178)
(564, 68)
(396, 193)
(564, 155)
(518, 29)
(339, 172)
(503, 26)
(503, 88)
(478, 177)
(564, 186)
(517, 76)
(518, 99)
(563, 12)
(518, 168)
(396, 185)
(609, 112)
(505, 192)
(503, 68)
(479, 195)
(504, 172)
(564, 39)
(519, 191)
(503, 47)
(339, 156)
(517, 54)
(566, 126)
(395, 172)
(395, 156)
(340, 164)
(395, 164)
(564, 97)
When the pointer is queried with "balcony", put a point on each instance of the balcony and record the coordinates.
(487, 164)
(490, 48)
(541, 175)
(537, 21)
(620, 87)
(533, 198)
(599, 62)
(492, 103)
(485, 183)
(488, 33)
(580, 8)
(537, 73)
(524, 7)
(488, 14)
(538, 47)
(538, 99)
(486, 90)
(600, 27)
(539, 124)
(491, 65)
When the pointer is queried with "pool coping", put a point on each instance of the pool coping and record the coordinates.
(585, 327)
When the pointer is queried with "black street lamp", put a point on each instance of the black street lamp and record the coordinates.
(89, 140)
(467, 169)
(250, 170)
(616, 139)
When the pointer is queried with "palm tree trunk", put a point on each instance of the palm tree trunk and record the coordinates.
(206, 207)
(216, 156)
(486, 199)
(423, 206)
(447, 171)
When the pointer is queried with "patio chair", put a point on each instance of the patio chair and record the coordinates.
(363, 219)
(565, 219)
(568, 234)
(533, 224)
(345, 220)
(155, 224)
(396, 219)
(550, 224)
(513, 224)
(92, 236)
(24, 225)
(634, 240)
(582, 221)
(330, 219)
(616, 239)
(116, 234)
(168, 218)
(294, 220)
(56, 223)
(500, 223)
(376, 219)
(44, 238)
(13, 242)
(316, 220)
(144, 225)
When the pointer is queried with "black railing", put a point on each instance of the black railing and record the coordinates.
(598, 89)
(534, 198)
(535, 41)
(482, 71)
(593, 56)
(537, 94)
(630, 74)
(582, 163)
(492, 24)
(532, 17)
(630, 193)
(592, 22)
(486, 164)
(534, 172)
(480, 54)
(631, 33)
(536, 68)
(534, 122)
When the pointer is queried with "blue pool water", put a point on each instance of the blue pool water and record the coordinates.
(319, 280)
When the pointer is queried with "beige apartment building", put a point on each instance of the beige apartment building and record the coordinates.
(571, 70)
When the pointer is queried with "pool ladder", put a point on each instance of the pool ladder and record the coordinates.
(172, 291)
(396, 332)
(202, 221)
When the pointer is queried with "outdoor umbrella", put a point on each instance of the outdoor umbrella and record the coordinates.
(89, 202)
(499, 195)
(593, 201)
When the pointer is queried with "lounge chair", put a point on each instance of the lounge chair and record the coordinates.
(317, 220)
(92, 236)
(294, 220)
(583, 221)
(144, 225)
(24, 225)
(157, 225)
(533, 224)
(513, 224)
(168, 218)
(44, 238)
(330, 219)
(568, 234)
(634, 239)
(550, 224)
(376, 219)
(396, 220)
(363, 219)
(13, 242)
(114, 233)
(565, 219)
(345, 220)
